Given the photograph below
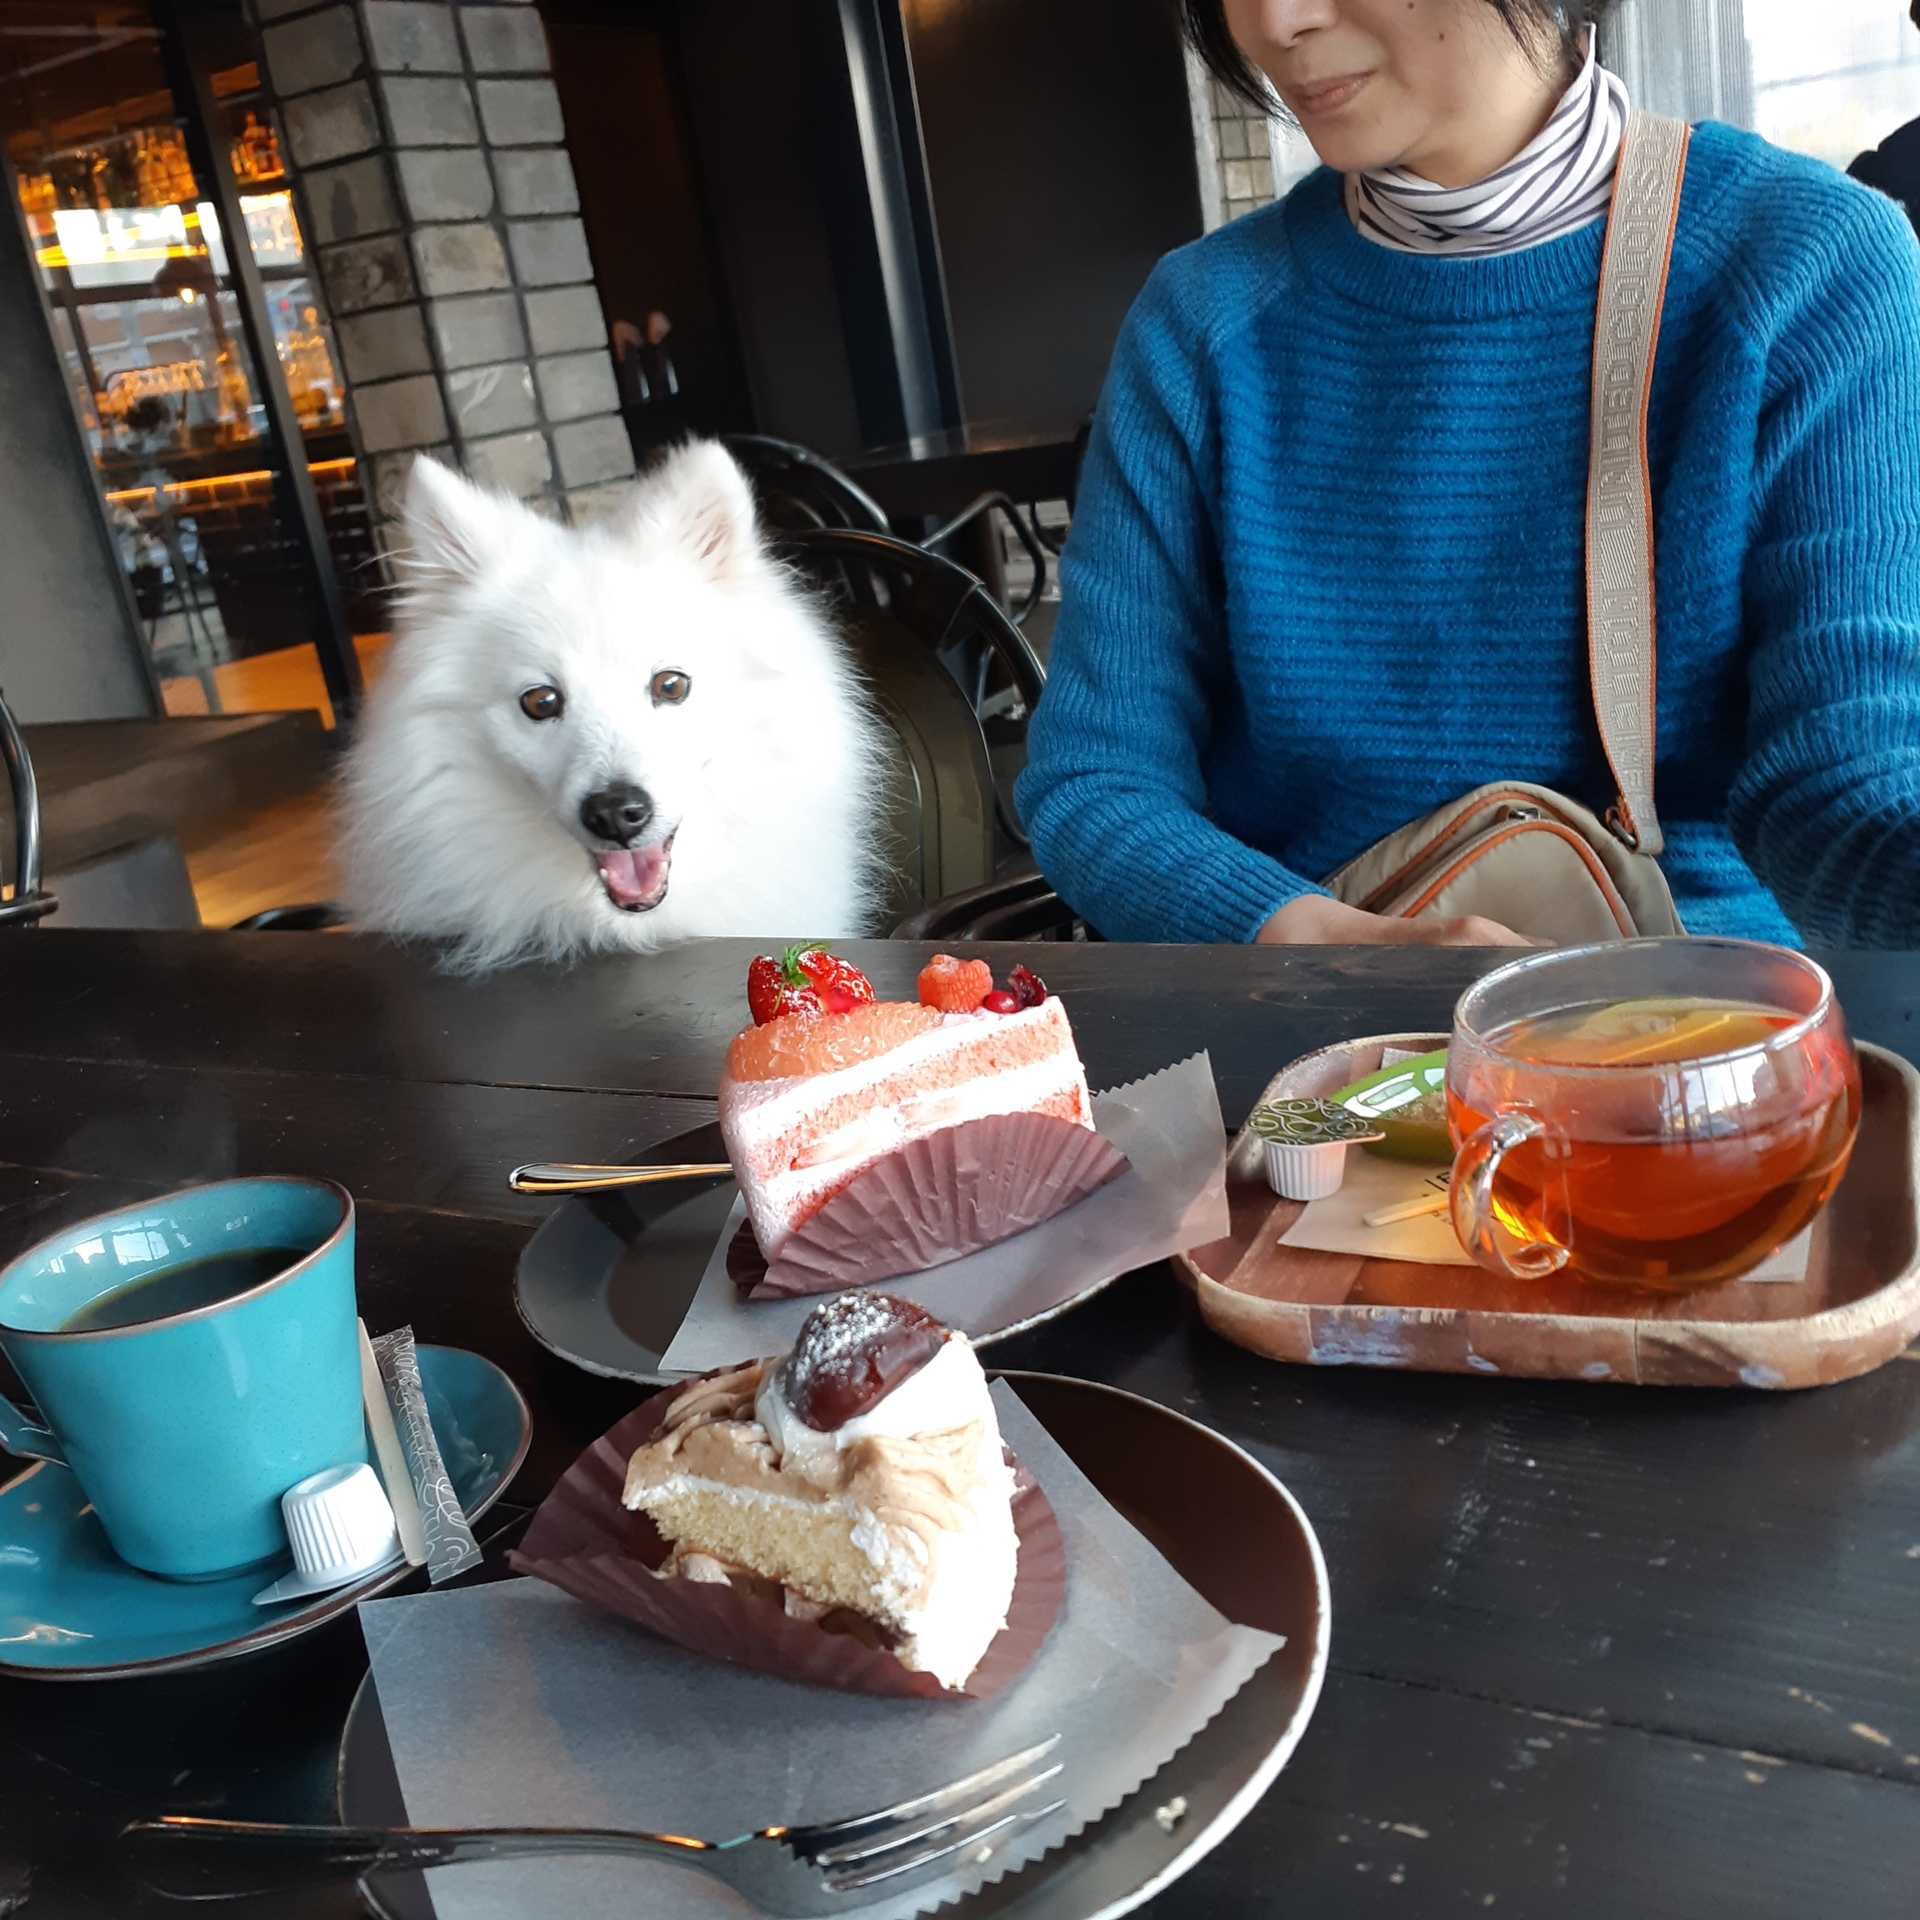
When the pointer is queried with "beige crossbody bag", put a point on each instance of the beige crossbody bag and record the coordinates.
(1524, 855)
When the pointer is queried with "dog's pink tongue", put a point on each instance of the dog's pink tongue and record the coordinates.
(635, 877)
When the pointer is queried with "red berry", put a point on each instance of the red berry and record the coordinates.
(839, 983)
(1028, 988)
(954, 986)
(769, 996)
(805, 979)
(999, 1001)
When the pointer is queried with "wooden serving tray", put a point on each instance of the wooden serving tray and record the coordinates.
(1858, 1306)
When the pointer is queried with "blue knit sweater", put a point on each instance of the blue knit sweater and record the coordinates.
(1327, 569)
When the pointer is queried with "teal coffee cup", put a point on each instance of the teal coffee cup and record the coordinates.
(194, 1357)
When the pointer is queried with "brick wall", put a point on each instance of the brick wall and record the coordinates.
(426, 146)
(1232, 144)
(1242, 152)
(1246, 159)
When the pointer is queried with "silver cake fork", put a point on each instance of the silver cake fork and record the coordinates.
(797, 1871)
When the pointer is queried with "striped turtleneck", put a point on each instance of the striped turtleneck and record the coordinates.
(1561, 180)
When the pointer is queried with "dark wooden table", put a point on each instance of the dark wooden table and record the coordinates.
(1597, 1651)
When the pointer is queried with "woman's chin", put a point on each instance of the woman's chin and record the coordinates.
(1355, 140)
(1350, 150)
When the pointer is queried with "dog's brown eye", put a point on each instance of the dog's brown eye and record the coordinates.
(671, 687)
(543, 703)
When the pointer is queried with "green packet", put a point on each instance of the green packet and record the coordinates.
(1408, 1105)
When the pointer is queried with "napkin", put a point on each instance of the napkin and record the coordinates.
(512, 1704)
(1338, 1224)
(1172, 1196)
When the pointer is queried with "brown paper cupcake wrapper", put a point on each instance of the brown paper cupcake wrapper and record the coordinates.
(584, 1541)
(934, 1200)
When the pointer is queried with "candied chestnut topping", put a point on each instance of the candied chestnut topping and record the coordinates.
(853, 1352)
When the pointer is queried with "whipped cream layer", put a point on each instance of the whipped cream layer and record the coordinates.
(796, 1142)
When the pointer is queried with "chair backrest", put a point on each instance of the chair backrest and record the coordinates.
(29, 903)
(1024, 907)
(909, 617)
(799, 492)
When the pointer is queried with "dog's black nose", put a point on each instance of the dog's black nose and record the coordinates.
(619, 814)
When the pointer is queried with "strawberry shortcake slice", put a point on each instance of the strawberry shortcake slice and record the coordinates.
(810, 1099)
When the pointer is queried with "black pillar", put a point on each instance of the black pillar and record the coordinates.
(864, 122)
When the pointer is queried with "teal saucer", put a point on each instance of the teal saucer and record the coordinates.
(71, 1609)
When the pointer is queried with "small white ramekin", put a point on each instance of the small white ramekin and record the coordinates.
(1305, 1173)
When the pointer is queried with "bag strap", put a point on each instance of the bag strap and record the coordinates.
(1621, 656)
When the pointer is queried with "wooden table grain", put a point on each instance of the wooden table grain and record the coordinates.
(1597, 1651)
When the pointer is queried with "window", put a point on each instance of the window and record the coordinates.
(1829, 81)
(147, 315)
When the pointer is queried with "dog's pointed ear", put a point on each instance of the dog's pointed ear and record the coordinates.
(698, 503)
(451, 527)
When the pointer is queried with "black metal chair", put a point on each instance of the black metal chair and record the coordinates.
(317, 916)
(28, 904)
(799, 492)
(915, 621)
(985, 507)
(1022, 907)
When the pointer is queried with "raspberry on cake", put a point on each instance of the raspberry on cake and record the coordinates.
(809, 1102)
(862, 1475)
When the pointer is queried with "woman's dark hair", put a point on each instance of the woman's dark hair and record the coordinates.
(1559, 27)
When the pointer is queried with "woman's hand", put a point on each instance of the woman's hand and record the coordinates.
(1315, 920)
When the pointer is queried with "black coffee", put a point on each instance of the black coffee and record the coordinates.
(196, 1283)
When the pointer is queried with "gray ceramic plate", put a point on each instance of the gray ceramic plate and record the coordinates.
(607, 1278)
(1229, 1527)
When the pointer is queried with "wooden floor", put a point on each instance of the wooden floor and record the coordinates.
(282, 857)
(271, 682)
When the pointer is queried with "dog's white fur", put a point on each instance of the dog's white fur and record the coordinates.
(462, 815)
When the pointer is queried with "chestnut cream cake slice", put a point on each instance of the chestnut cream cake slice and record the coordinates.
(863, 1473)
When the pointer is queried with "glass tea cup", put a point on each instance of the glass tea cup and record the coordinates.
(1653, 1114)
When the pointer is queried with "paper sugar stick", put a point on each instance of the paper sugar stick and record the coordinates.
(393, 1462)
(451, 1547)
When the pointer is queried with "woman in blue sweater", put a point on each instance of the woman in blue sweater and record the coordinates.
(1327, 564)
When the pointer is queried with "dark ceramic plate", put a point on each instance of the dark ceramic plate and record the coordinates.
(608, 1277)
(1226, 1524)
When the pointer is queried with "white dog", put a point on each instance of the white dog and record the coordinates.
(615, 737)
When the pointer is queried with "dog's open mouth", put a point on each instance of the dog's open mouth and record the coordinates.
(635, 877)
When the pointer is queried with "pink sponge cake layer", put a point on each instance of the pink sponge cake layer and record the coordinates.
(796, 1142)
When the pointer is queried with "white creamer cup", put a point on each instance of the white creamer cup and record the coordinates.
(341, 1527)
(1305, 1173)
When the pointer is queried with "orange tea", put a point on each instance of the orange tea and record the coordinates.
(1663, 1141)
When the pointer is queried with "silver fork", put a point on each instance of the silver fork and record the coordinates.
(799, 1871)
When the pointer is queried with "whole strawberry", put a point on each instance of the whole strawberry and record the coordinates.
(805, 979)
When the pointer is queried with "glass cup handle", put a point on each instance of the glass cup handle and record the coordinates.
(20, 1437)
(1481, 1231)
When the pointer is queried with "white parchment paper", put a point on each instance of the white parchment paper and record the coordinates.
(1338, 1223)
(515, 1705)
(1172, 1196)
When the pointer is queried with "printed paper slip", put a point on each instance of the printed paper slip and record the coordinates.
(1338, 1223)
